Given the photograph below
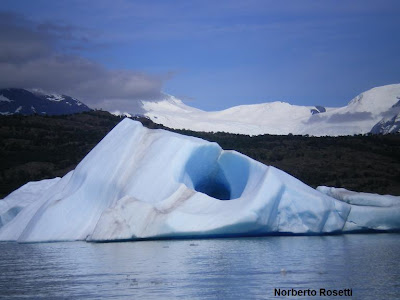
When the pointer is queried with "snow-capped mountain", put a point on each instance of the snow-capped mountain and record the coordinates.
(25, 102)
(387, 125)
(358, 117)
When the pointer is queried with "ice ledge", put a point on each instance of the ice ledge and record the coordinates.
(368, 211)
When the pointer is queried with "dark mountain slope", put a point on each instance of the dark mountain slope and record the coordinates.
(24, 102)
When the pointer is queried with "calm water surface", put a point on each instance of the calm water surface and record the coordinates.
(240, 268)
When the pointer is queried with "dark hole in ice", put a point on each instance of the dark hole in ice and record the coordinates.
(220, 176)
(214, 188)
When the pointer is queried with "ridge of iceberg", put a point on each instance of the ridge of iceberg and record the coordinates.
(139, 183)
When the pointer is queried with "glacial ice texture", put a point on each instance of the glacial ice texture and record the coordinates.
(144, 184)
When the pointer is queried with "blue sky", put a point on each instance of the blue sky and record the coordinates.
(211, 54)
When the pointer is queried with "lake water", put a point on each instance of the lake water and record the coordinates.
(239, 268)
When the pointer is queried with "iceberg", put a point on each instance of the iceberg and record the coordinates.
(368, 211)
(139, 183)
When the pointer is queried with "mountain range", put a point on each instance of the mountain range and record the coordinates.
(29, 102)
(377, 109)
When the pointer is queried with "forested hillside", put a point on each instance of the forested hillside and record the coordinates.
(37, 147)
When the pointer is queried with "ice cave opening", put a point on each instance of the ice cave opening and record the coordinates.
(214, 187)
(221, 175)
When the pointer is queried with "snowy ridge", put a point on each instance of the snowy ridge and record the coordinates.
(358, 117)
(142, 184)
(28, 102)
(56, 97)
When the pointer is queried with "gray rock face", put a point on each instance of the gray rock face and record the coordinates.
(318, 109)
(385, 126)
(21, 101)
